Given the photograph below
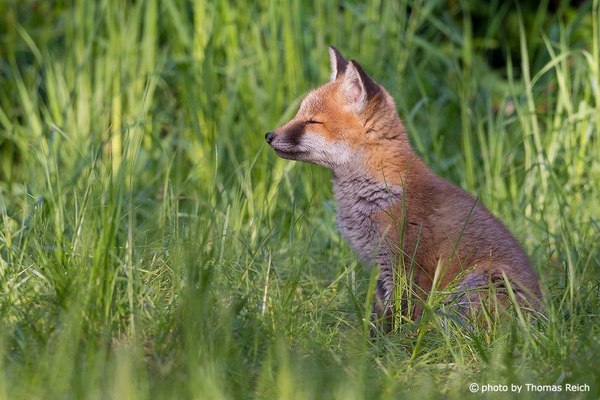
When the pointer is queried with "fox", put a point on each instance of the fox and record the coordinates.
(394, 211)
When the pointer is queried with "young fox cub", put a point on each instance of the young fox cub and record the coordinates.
(393, 210)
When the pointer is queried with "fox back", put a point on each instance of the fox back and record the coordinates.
(391, 208)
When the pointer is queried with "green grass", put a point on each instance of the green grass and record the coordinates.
(151, 246)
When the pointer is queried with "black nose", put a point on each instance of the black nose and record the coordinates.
(269, 137)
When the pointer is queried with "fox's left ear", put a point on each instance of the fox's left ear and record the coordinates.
(338, 63)
(358, 87)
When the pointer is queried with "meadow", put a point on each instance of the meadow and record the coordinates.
(153, 246)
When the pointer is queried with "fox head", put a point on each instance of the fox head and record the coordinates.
(349, 119)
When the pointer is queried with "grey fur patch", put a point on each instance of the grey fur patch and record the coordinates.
(359, 197)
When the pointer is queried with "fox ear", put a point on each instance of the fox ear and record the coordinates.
(358, 87)
(338, 63)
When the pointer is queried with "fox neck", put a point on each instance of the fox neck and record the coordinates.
(361, 192)
(373, 177)
(372, 181)
(387, 163)
(386, 154)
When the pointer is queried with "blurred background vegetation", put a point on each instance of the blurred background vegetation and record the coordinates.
(151, 246)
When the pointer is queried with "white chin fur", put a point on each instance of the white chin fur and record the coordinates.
(329, 154)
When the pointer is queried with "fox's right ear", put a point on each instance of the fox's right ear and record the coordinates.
(338, 63)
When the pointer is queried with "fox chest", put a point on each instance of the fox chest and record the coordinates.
(363, 234)
(358, 205)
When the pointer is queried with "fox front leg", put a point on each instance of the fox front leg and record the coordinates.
(383, 314)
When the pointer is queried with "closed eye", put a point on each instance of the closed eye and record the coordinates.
(312, 121)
